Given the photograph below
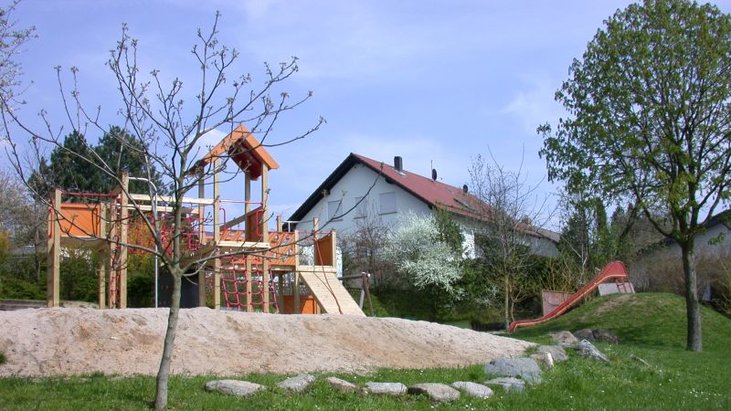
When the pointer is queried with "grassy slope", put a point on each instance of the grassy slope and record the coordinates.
(651, 327)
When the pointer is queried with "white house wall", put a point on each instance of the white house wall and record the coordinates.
(709, 246)
(354, 184)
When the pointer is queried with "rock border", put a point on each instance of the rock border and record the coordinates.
(510, 374)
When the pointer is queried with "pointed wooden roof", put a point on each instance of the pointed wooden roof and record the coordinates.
(244, 149)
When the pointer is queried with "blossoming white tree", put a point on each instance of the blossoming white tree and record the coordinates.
(421, 256)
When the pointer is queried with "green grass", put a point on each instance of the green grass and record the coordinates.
(651, 327)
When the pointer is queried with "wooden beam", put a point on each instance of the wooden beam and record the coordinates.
(264, 203)
(216, 239)
(201, 239)
(103, 263)
(123, 236)
(247, 278)
(169, 199)
(53, 275)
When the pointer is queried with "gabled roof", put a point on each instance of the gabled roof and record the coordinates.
(244, 149)
(433, 193)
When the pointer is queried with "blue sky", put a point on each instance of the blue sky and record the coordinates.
(436, 82)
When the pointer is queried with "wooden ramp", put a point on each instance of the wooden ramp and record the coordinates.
(329, 292)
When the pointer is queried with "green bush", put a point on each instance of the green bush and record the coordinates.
(18, 288)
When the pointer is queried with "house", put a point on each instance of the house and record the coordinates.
(362, 191)
(659, 267)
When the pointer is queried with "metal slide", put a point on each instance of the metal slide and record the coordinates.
(612, 272)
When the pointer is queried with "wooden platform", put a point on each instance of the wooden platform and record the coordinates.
(329, 292)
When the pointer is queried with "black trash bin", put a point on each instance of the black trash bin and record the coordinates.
(188, 289)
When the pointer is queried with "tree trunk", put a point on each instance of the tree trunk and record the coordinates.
(695, 338)
(507, 302)
(163, 374)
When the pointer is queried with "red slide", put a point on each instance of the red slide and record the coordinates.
(612, 272)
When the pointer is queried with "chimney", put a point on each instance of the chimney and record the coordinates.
(398, 163)
(434, 174)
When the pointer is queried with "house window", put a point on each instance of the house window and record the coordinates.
(334, 209)
(387, 202)
(361, 207)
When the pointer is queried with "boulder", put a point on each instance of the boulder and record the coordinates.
(556, 351)
(588, 350)
(473, 389)
(436, 392)
(298, 383)
(584, 334)
(386, 388)
(601, 334)
(543, 358)
(341, 385)
(234, 387)
(525, 368)
(509, 384)
(564, 339)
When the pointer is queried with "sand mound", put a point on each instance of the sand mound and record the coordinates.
(66, 341)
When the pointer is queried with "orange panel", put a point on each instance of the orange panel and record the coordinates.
(283, 250)
(253, 224)
(324, 251)
(308, 305)
(80, 220)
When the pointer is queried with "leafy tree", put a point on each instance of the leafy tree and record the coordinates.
(117, 151)
(649, 122)
(449, 231)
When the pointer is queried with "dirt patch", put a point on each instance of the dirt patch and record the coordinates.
(70, 341)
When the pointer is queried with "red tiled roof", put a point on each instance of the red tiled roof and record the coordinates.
(433, 193)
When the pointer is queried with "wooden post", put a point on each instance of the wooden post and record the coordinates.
(296, 276)
(247, 277)
(264, 203)
(103, 263)
(123, 236)
(247, 192)
(53, 282)
(216, 240)
(265, 234)
(201, 238)
(280, 296)
(201, 208)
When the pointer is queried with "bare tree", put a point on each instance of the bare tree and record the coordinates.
(510, 234)
(156, 114)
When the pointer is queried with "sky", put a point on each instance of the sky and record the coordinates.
(436, 82)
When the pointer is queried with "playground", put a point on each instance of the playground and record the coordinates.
(237, 261)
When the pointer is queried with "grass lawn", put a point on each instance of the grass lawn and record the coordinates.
(651, 326)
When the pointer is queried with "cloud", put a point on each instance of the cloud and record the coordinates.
(534, 104)
(336, 40)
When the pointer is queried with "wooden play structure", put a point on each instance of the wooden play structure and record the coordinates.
(243, 265)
